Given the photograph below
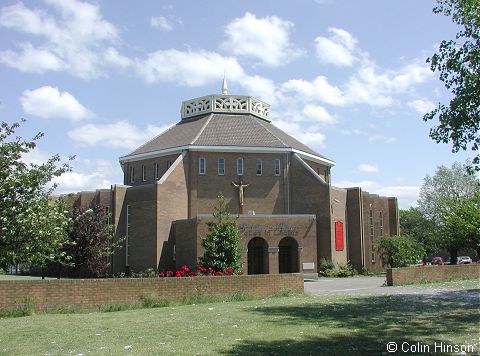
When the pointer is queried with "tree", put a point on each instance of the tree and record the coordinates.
(222, 242)
(458, 64)
(441, 197)
(460, 225)
(413, 223)
(399, 251)
(91, 241)
(446, 184)
(33, 227)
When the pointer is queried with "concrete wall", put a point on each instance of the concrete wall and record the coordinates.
(88, 294)
(411, 275)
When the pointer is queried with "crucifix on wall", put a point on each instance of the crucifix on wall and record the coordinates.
(240, 187)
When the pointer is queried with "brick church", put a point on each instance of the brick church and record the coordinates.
(289, 214)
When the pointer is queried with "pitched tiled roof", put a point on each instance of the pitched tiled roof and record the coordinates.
(223, 130)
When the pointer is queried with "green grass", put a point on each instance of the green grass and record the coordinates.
(17, 277)
(287, 325)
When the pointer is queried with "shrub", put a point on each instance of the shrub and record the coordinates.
(399, 251)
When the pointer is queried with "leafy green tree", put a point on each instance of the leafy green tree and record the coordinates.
(458, 64)
(413, 223)
(399, 251)
(222, 242)
(446, 184)
(460, 225)
(440, 196)
(33, 227)
(91, 242)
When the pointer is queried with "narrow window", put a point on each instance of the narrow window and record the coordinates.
(259, 167)
(109, 243)
(132, 174)
(277, 167)
(221, 166)
(240, 166)
(372, 235)
(381, 223)
(107, 215)
(201, 166)
(157, 171)
(144, 173)
(127, 237)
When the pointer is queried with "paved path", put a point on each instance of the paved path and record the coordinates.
(369, 286)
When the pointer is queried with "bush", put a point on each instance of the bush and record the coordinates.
(327, 268)
(399, 251)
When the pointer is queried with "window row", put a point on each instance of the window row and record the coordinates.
(156, 172)
(202, 166)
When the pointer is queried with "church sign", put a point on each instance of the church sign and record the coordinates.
(280, 229)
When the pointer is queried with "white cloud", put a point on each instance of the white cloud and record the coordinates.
(112, 56)
(407, 195)
(48, 102)
(367, 168)
(317, 90)
(73, 182)
(120, 134)
(337, 49)
(381, 139)
(259, 87)
(265, 39)
(375, 87)
(36, 156)
(318, 114)
(32, 59)
(71, 38)
(306, 135)
(188, 68)
(162, 23)
(421, 106)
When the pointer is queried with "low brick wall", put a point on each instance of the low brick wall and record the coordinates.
(91, 293)
(410, 275)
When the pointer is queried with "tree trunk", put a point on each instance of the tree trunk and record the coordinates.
(453, 256)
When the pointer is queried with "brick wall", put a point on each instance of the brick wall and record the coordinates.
(409, 275)
(85, 294)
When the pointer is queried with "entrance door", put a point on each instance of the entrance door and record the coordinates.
(288, 255)
(257, 256)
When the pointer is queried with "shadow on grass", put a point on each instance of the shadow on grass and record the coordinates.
(364, 325)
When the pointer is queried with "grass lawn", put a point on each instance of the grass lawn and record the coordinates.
(294, 325)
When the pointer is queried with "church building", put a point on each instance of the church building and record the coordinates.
(289, 214)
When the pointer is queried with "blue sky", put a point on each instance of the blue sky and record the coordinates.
(348, 78)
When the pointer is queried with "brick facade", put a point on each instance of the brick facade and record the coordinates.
(164, 184)
(412, 275)
(88, 294)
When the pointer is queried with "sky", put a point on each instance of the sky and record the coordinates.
(348, 78)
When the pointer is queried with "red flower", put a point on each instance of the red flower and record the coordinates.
(161, 274)
(218, 273)
(169, 273)
(179, 274)
(185, 269)
(192, 274)
(229, 271)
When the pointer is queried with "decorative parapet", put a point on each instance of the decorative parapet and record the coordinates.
(231, 104)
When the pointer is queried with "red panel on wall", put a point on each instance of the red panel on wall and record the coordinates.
(339, 236)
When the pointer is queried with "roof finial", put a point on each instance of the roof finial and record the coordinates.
(224, 85)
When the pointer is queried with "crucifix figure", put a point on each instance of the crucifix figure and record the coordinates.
(240, 187)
